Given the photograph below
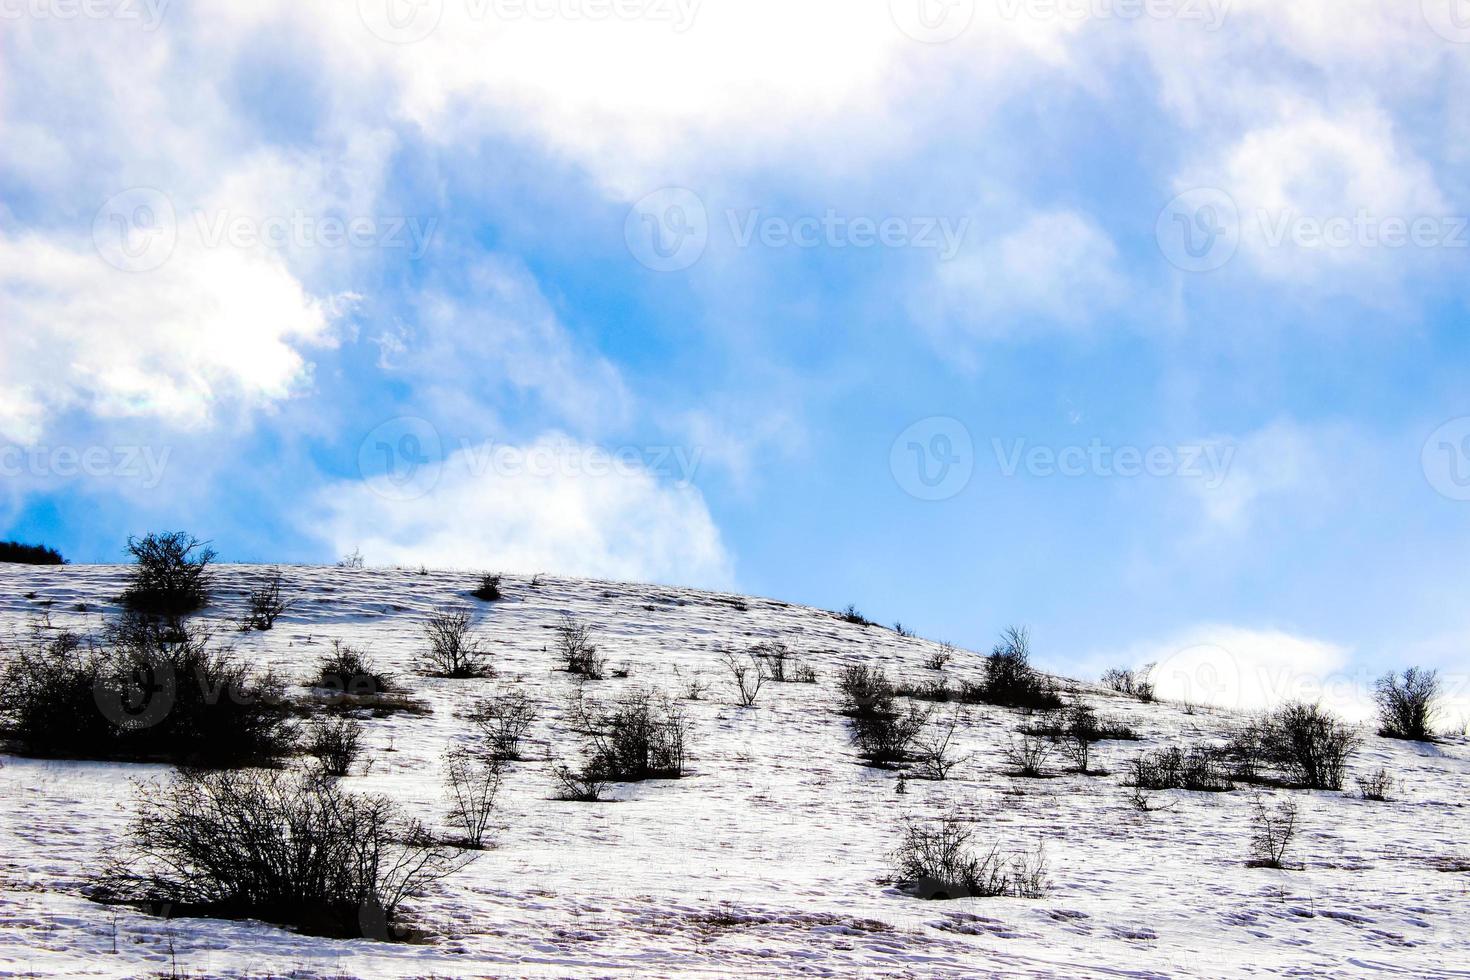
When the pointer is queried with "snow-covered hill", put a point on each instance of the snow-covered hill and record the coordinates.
(771, 858)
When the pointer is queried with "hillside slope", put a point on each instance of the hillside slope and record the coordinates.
(771, 859)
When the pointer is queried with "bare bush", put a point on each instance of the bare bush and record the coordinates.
(171, 574)
(283, 847)
(1376, 786)
(577, 651)
(781, 665)
(1308, 745)
(348, 670)
(1199, 768)
(865, 689)
(940, 658)
(1408, 704)
(1011, 681)
(1130, 682)
(489, 588)
(851, 615)
(335, 743)
(265, 604)
(585, 784)
(505, 720)
(151, 691)
(454, 650)
(1027, 755)
(1273, 828)
(694, 688)
(941, 862)
(935, 755)
(747, 677)
(642, 736)
(471, 784)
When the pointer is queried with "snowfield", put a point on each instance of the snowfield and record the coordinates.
(772, 858)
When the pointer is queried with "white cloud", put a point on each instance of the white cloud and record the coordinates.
(554, 504)
(1058, 269)
(1248, 669)
(1283, 462)
(208, 326)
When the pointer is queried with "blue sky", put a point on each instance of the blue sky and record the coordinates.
(1144, 329)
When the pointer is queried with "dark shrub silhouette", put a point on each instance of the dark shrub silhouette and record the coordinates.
(284, 847)
(454, 651)
(941, 862)
(1010, 680)
(1407, 704)
(13, 552)
(489, 588)
(642, 736)
(147, 692)
(1307, 745)
(504, 721)
(347, 670)
(335, 743)
(171, 574)
(266, 604)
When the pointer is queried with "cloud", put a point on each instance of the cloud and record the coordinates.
(1280, 464)
(1250, 669)
(489, 337)
(206, 327)
(1057, 270)
(553, 504)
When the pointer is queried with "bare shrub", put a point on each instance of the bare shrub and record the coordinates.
(694, 688)
(1011, 681)
(1199, 768)
(505, 720)
(1273, 829)
(1376, 786)
(940, 658)
(935, 755)
(348, 670)
(747, 677)
(1408, 704)
(471, 784)
(941, 862)
(577, 651)
(283, 847)
(585, 784)
(1027, 755)
(265, 604)
(865, 689)
(1140, 799)
(1130, 682)
(150, 692)
(489, 588)
(335, 743)
(851, 615)
(171, 574)
(454, 651)
(354, 560)
(1308, 745)
(781, 665)
(642, 736)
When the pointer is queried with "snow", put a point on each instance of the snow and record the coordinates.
(771, 859)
